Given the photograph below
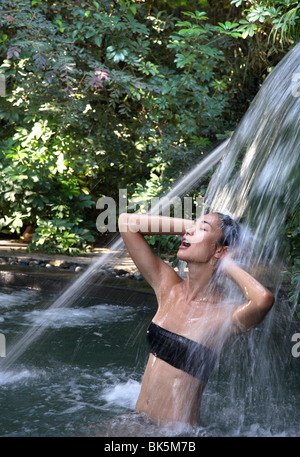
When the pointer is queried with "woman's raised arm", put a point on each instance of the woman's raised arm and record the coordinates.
(260, 299)
(133, 228)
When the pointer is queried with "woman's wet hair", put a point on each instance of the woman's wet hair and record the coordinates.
(230, 229)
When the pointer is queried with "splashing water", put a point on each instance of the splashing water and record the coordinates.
(262, 192)
(264, 189)
(266, 186)
(91, 276)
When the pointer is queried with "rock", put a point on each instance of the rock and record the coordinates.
(56, 263)
(60, 263)
(33, 263)
(65, 264)
(138, 277)
(12, 261)
(23, 262)
(120, 272)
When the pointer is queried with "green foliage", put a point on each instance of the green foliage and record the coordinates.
(39, 180)
(277, 18)
(108, 95)
(61, 236)
(166, 246)
(93, 105)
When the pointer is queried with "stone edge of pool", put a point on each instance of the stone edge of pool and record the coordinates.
(118, 282)
(111, 289)
(119, 279)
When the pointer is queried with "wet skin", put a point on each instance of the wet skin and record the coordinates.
(189, 307)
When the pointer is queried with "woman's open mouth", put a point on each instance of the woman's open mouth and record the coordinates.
(184, 244)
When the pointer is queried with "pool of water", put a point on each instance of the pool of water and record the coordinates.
(82, 376)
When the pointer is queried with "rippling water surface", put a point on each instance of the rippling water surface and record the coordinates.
(83, 376)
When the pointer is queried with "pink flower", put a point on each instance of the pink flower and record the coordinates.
(10, 18)
(100, 75)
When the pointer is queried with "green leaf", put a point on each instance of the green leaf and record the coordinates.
(98, 40)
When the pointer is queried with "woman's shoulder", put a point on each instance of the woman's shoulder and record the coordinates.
(169, 285)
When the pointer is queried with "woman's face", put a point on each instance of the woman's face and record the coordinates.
(200, 242)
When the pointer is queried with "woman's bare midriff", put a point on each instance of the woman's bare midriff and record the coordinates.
(169, 395)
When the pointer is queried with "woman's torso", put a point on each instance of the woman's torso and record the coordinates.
(169, 394)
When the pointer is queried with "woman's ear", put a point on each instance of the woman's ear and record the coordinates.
(221, 251)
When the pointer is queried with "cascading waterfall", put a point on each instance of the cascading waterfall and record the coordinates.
(261, 192)
(266, 186)
(263, 189)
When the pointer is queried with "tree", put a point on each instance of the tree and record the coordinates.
(108, 95)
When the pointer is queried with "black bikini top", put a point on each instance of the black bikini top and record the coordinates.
(181, 352)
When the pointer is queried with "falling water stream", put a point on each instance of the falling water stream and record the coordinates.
(77, 289)
(261, 192)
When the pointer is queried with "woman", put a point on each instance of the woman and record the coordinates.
(193, 320)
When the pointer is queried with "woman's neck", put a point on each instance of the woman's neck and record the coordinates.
(198, 285)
